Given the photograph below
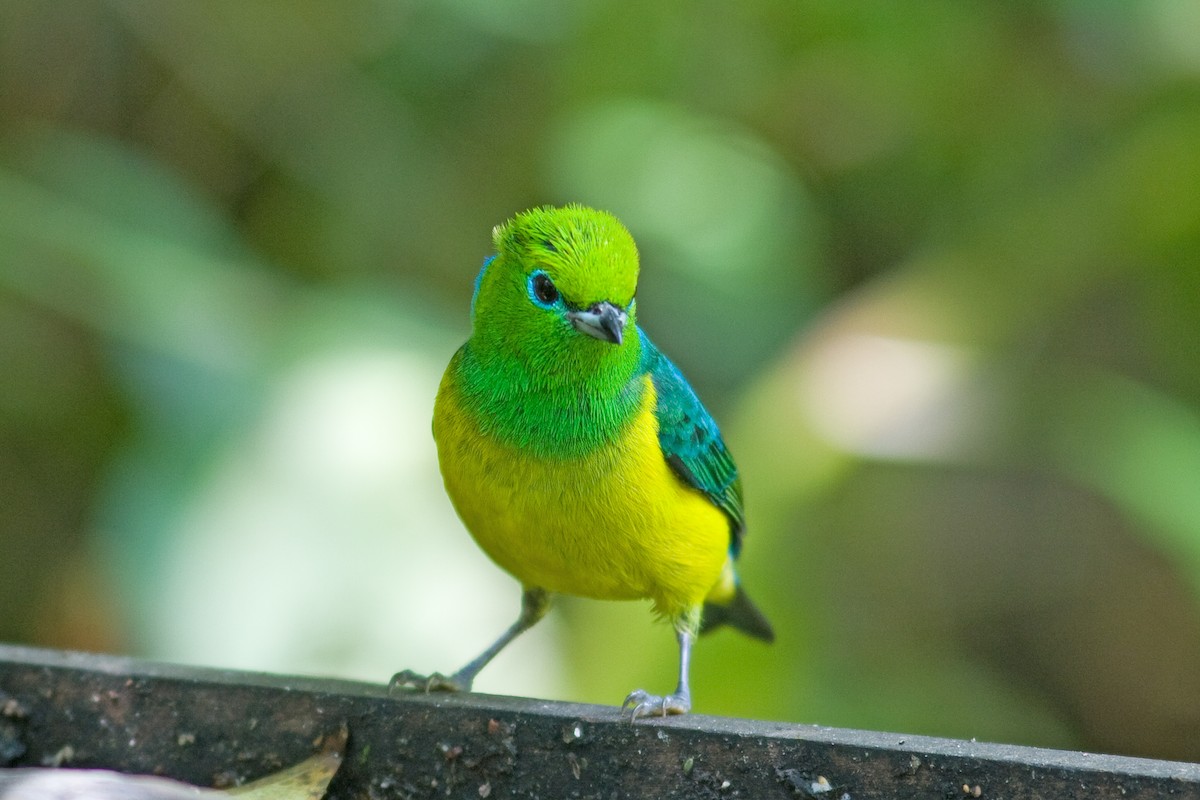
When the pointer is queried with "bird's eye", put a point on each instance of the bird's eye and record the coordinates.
(543, 289)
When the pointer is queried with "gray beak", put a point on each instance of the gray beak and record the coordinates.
(603, 321)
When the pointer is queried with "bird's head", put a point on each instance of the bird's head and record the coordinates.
(559, 293)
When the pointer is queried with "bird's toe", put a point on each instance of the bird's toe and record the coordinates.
(645, 704)
(409, 681)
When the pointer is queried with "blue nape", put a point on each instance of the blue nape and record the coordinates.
(479, 280)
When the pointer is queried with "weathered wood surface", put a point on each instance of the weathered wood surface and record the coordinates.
(212, 727)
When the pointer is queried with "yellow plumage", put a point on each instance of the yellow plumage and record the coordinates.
(615, 524)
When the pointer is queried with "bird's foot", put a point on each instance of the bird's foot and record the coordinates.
(645, 704)
(409, 681)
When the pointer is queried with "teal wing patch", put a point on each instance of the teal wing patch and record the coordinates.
(691, 441)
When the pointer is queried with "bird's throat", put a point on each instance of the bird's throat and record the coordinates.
(560, 411)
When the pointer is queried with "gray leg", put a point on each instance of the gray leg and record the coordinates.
(645, 704)
(534, 605)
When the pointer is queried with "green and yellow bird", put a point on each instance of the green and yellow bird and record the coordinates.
(576, 453)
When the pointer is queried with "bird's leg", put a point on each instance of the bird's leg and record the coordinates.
(534, 605)
(646, 704)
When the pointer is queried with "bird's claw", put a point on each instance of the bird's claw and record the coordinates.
(409, 681)
(645, 704)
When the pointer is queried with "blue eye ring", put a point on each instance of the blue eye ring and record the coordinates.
(542, 290)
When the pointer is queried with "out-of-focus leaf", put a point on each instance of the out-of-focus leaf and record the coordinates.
(1140, 448)
(129, 268)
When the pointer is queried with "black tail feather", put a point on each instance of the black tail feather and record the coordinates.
(741, 613)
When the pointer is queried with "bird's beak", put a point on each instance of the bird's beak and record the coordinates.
(603, 321)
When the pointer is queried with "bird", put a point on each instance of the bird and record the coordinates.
(575, 452)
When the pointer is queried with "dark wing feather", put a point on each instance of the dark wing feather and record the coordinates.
(691, 441)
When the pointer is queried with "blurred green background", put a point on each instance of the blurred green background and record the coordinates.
(935, 266)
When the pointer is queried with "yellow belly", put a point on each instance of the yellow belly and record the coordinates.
(614, 524)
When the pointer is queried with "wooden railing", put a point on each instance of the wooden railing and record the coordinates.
(211, 727)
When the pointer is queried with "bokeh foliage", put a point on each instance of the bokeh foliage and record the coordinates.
(934, 266)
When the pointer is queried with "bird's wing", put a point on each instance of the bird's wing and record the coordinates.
(691, 441)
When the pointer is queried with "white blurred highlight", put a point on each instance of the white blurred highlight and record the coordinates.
(324, 543)
(889, 397)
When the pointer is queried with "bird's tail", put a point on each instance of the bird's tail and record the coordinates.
(737, 611)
